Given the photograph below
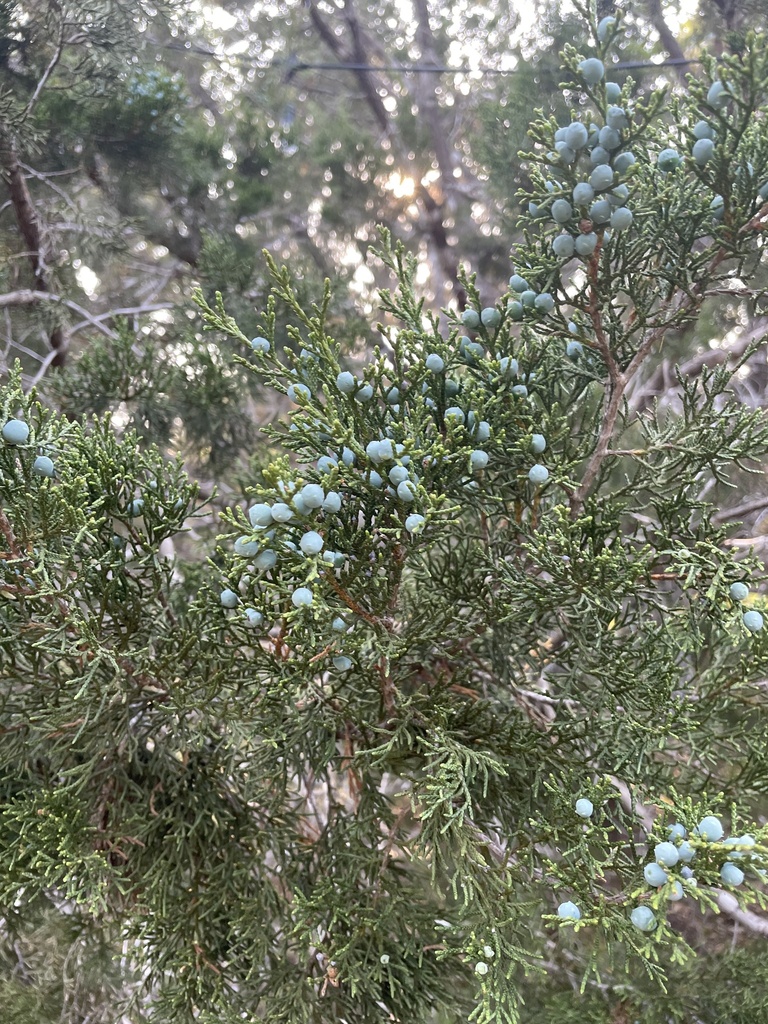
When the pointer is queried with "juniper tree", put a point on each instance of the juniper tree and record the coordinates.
(461, 713)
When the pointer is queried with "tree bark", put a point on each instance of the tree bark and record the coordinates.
(38, 252)
(667, 37)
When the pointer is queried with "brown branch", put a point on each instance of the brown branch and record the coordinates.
(350, 602)
(657, 382)
(617, 382)
(667, 37)
(31, 231)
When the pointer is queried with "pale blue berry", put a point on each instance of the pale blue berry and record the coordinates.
(612, 92)
(666, 854)
(621, 219)
(312, 495)
(538, 444)
(739, 591)
(676, 892)
(599, 156)
(490, 317)
(592, 70)
(710, 828)
(332, 502)
(397, 475)
(586, 244)
(471, 351)
(297, 392)
(311, 543)
(260, 515)
(528, 298)
(604, 27)
(703, 130)
(301, 597)
(583, 193)
(746, 841)
(300, 505)
(281, 513)
(508, 366)
(609, 137)
(482, 431)
(562, 211)
(43, 466)
(730, 874)
(518, 284)
(481, 968)
(375, 480)
(669, 160)
(568, 911)
(348, 457)
(415, 523)
(454, 414)
(574, 350)
(435, 363)
(246, 546)
(406, 491)
(686, 852)
(584, 807)
(339, 625)
(753, 621)
(478, 459)
(136, 508)
(15, 432)
(372, 450)
(538, 474)
(260, 345)
(643, 918)
(718, 95)
(515, 310)
(520, 390)
(600, 211)
(255, 618)
(563, 246)
(703, 151)
(623, 162)
(326, 464)
(601, 178)
(544, 302)
(677, 831)
(575, 136)
(686, 872)
(266, 560)
(365, 394)
(229, 598)
(654, 874)
(616, 118)
(346, 382)
(342, 663)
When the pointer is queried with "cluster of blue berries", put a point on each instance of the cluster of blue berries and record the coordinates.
(15, 432)
(595, 205)
(674, 856)
(752, 620)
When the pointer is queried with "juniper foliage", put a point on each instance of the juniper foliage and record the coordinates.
(341, 785)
